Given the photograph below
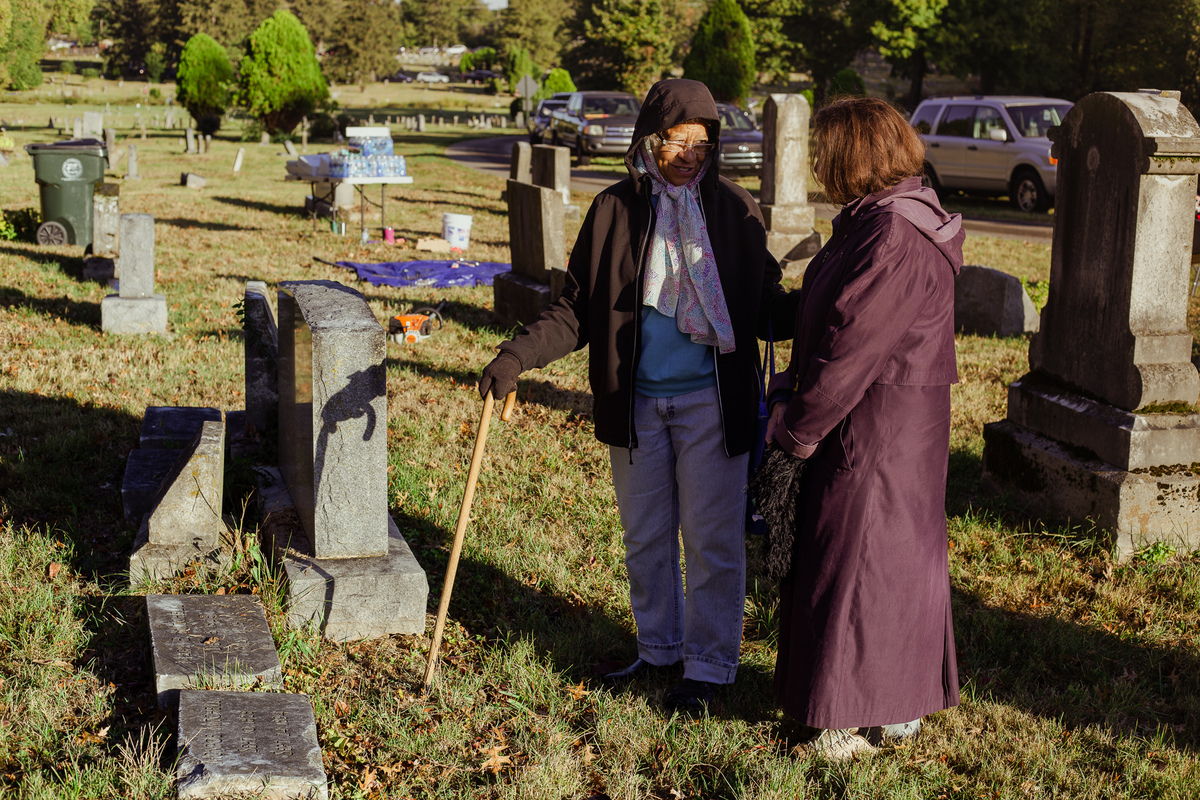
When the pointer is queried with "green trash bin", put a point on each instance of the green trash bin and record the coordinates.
(66, 173)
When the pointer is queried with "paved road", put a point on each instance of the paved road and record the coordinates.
(492, 156)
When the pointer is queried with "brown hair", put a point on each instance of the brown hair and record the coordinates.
(862, 145)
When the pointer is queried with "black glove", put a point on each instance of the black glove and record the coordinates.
(500, 376)
(776, 490)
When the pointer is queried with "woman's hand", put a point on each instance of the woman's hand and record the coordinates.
(776, 420)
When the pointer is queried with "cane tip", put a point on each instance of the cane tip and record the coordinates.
(509, 402)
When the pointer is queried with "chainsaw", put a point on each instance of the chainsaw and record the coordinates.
(417, 325)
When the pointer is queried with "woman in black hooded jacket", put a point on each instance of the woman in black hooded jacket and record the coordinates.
(670, 285)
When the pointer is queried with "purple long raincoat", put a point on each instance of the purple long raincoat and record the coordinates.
(866, 636)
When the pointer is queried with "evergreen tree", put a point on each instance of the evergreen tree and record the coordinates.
(21, 51)
(625, 44)
(539, 26)
(205, 79)
(365, 41)
(280, 78)
(722, 54)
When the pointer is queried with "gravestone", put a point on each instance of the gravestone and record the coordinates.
(333, 410)
(248, 744)
(207, 142)
(237, 161)
(420, 123)
(989, 302)
(106, 221)
(265, 139)
(170, 119)
(166, 431)
(93, 124)
(136, 309)
(519, 163)
(211, 642)
(190, 136)
(304, 139)
(262, 359)
(550, 166)
(784, 193)
(192, 181)
(1104, 427)
(173, 427)
(347, 566)
(520, 120)
(131, 167)
(77, 128)
(537, 240)
(110, 141)
(185, 523)
(290, 148)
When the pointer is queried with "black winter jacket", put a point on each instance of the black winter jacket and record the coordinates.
(601, 302)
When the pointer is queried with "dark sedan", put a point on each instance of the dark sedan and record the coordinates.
(741, 142)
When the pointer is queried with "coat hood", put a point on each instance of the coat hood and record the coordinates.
(919, 205)
(668, 103)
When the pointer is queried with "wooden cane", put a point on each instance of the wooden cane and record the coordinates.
(464, 514)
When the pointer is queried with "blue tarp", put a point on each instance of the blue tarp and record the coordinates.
(428, 273)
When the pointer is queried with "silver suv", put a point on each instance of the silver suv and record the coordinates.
(995, 145)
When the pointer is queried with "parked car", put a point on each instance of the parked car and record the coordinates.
(993, 145)
(595, 123)
(741, 142)
(432, 77)
(480, 75)
(540, 120)
(428, 51)
(455, 50)
(399, 77)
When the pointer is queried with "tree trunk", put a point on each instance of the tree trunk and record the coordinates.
(919, 67)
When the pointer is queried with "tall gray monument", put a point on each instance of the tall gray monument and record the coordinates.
(1104, 426)
(136, 309)
(784, 193)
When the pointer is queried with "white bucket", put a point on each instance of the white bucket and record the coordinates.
(456, 229)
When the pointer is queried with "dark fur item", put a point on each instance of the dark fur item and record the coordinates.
(776, 489)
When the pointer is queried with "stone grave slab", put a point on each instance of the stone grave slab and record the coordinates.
(136, 262)
(262, 359)
(784, 193)
(517, 299)
(256, 744)
(174, 427)
(518, 165)
(989, 302)
(535, 230)
(550, 166)
(333, 417)
(144, 473)
(133, 315)
(347, 598)
(210, 641)
(192, 181)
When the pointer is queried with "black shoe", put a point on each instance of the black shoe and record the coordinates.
(635, 671)
(690, 696)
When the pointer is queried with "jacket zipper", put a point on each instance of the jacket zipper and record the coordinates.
(717, 368)
(637, 324)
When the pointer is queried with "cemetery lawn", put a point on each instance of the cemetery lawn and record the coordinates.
(1080, 676)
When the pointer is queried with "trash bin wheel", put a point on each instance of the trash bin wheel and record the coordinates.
(51, 233)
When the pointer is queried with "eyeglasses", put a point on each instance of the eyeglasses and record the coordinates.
(675, 148)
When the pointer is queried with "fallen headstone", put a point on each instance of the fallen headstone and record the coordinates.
(192, 180)
(988, 302)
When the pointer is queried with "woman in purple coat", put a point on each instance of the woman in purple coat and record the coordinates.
(866, 643)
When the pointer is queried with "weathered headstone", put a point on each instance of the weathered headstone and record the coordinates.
(262, 359)
(290, 148)
(137, 309)
(248, 744)
(77, 128)
(185, 524)
(110, 141)
(93, 124)
(535, 225)
(304, 139)
(207, 143)
(519, 162)
(173, 427)
(784, 193)
(209, 642)
(1104, 427)
(420, 123)
(550, 166)
(989, 302)
(190, 135)
(166, 431)
(106, 223)
(265, 139)
(346, 564)
(332, 417)
(192, 180)
(131, 167)
(237, 161)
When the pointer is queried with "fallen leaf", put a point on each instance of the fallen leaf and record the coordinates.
(496, 761)
(589, 755)
(577, 692)
(212, 640)
(221, 590)
(341, 708)
(55, 568)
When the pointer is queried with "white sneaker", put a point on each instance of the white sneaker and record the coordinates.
(835, 744)
(896, 735)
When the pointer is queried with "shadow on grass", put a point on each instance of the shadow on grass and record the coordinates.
(260, 205)
(177, 222)
(61, 466)
(70, 265)
(73, 311)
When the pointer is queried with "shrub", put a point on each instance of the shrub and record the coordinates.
(205, 78)
(90, 72)
(156, 62)
(559, 80)
(67, 68)
(281, 80)
(517, 63)
(847, 83)
(20, 225)
(722, 54)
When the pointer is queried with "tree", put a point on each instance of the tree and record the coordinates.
(906, 34)
(225, 21)
(626, 44)
(21, 51)
(320, 19)
(5, 27)
(539, 26)
(70, 18)
(444, 22)
(558, 80)
(775, 52)
(205, 81)
(517, 63)
(280, 78)
(722, 54)
(365, 41)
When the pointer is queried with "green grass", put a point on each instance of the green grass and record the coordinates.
(1081, 676)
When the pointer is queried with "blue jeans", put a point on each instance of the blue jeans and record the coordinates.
(681, 484)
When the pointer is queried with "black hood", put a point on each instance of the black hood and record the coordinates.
(669, 103)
